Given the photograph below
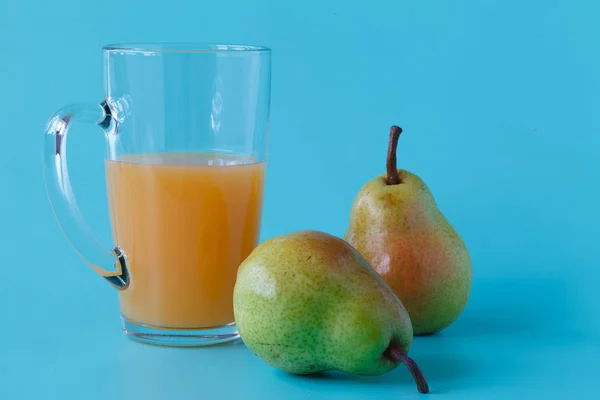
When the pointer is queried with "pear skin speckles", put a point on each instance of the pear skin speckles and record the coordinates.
(400, 231)
(308, 302)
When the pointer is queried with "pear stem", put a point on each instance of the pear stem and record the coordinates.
(412, 366)
(392, 177)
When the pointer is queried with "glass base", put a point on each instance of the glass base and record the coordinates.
(179, 337)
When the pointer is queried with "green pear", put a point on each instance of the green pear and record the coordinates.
(397, 227)
(307, 302)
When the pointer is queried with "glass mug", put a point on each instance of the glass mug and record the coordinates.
(186, 129)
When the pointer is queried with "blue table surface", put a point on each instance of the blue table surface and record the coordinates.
(499, 104)
(515, 341)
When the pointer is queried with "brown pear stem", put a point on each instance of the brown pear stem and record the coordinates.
(392, 177)
(412, 366)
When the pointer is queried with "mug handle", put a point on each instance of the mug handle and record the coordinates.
(62, 200)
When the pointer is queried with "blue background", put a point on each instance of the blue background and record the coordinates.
(499, 102)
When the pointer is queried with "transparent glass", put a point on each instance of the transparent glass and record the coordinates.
(186, 129)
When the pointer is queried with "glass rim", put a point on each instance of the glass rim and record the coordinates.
(183, 47)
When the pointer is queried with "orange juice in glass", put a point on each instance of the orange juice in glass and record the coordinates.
(186, 128)
(200, 215)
